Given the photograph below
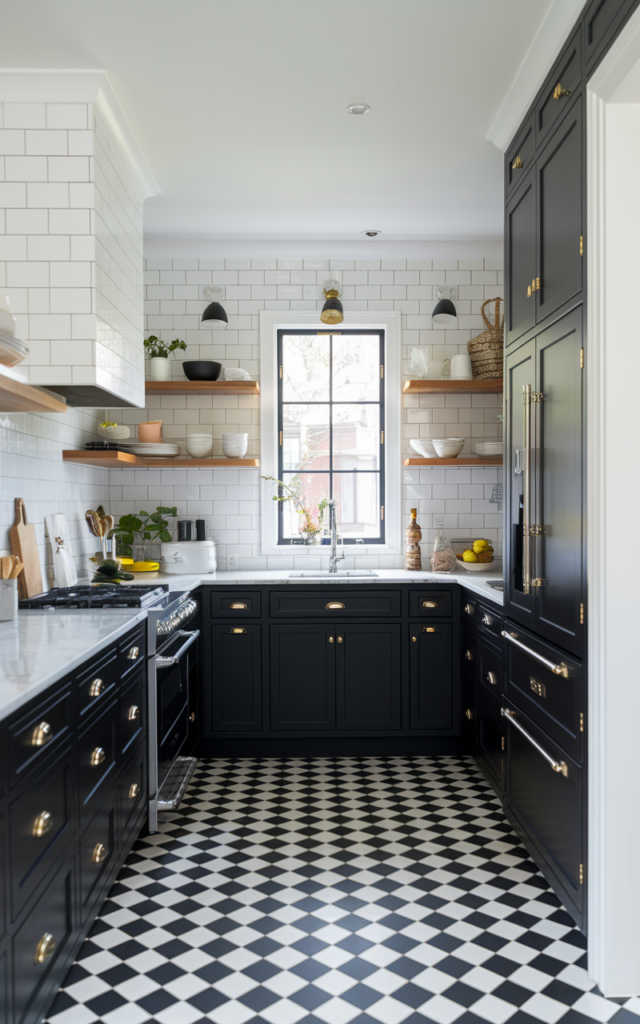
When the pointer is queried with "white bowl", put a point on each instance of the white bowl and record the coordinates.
(480, 566)
(448, 447)
(200, 448)
(423, 447)
(234, 451)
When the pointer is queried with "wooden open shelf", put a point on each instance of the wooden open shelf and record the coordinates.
(202, 387)
(16, 396)
(453, 387)
(123, 460)
(464, 460)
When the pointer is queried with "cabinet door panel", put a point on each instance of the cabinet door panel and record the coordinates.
(520, 155)
(521, 260)
(559, 548)
(235, 682)
(431, 675)
(563, 82)
(491, 742)
(303, 673)
(602, 21)
(520, 370)
(559, 170)
(368, 677)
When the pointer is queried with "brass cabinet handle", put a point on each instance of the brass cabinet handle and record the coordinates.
(45, 948)
(492, 678)
(470, 609)
(560, 92)
(134, 789)
(487, 620)
(538, 688)
(192, 716)
(97, 757)
(339, 639)
(469, 714)
(430, 629)
(415, 639)
(42, 825)
(41, 734)
(468, 655)
(96, 688)
(558, 670)
(558, 766)
(335, 604)
(238, 606)
(430, 604)
(133, 713)
(238, 631)
(330, 639)
(529, 292)
(517, 164)
(99, 853)
(526, 492)
(133, 653)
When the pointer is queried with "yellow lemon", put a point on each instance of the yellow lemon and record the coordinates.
(480, 545)
(469, 556)
(486, 556)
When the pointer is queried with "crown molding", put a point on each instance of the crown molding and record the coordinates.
(109, 106)
(50, 85)
(203, 248)
(545, 47)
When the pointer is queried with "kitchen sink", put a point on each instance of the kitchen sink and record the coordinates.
(496, 584)
(340, 574)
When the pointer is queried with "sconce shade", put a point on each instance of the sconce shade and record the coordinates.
(215, 311)
(445, 312)
(332, 311)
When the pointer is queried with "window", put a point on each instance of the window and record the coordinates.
(331, 429)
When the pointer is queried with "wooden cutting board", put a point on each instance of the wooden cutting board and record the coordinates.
(22, 536)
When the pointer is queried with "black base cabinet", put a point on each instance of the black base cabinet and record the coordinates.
(73, 799)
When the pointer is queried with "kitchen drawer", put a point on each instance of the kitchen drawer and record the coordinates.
(98, 853)
(490, 669)
(490, 619)
(334, 604)
(132, 792)
(40, 827)
(602, 20)
(553, 701)
(40, 732)
(97, 752)
(520, 155)
(469, 658)
(434, 603)
(132, 650)
(42, 945)
(562, 83)
(133, 711)
(235, 604)
(469, 609)
(96, 684)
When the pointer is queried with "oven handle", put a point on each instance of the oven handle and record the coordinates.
(167, 662)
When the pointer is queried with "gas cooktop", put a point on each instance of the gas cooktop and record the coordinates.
(106, 595)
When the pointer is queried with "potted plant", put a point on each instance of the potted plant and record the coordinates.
(311, 526)
(132, 531)
(159, 352)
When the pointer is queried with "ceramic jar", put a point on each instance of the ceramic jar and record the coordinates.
(159, 368)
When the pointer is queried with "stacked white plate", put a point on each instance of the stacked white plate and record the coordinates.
(489, 448)
(151, 449)
(12, 350)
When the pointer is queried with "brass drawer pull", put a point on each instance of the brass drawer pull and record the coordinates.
(560, 92)
(517, 164)
(133, 653)
(468, 655)
(238, 606)
(469, 714)
(335, 604)
(492, 678)
(469, 609)
(538, 688)
(558, 670)
(238, 631)
(97, 757)
(487, 620)
(192, 716)
(133, 713)
(42, 825)
(44, 949)
(134, 790)
(99, 853)
(96, 688)
(557, 766)
(430, 604)
(41, 734)
(430, 629)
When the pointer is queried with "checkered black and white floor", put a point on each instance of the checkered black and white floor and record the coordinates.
(372, 890)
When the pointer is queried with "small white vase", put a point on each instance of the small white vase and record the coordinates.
(159, 368)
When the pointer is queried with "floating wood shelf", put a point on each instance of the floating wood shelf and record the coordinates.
(16, 396)
(202, 387)
(453, 387)
(490, 460)
(123, 460)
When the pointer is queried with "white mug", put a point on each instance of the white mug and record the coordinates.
(461, 367)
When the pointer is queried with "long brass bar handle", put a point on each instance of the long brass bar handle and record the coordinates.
(558, 670)
(526, 496)
(557, 766)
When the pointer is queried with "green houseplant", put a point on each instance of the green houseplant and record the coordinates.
(159, 352)
(132, 531)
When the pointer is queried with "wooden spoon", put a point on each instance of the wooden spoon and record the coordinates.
(17, 569)
(6, 565)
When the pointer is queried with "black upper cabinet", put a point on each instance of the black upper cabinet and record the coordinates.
(602, 21)
(562, 83)
(235, 682)
(368, 687)
(303, 674)
(520, 155)
(521, 260)
(560, 231)
(431, 660)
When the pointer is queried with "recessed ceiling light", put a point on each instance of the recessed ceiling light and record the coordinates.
(372, 233)
(358, 108)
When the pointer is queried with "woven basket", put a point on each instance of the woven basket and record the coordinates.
(487, 349)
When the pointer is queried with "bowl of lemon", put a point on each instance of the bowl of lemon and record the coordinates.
(478, 557)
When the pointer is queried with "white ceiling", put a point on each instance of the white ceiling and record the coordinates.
(240, 107)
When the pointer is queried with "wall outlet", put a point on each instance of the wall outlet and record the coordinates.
(438, 523)
(232, 561)
(208, 528)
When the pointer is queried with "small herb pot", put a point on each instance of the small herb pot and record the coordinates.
(159, 368)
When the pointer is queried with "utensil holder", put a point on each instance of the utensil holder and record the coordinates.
(8, 600)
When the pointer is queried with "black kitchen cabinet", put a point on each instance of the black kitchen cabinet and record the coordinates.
(303, 677)
(519, 372)
(368, 662)
(431, 666)
(491, 741)
(520, 155)
(521, 262)
(561, 86)
(234, 683)
(603, 19)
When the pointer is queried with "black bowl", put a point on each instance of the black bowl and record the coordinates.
(202, 369)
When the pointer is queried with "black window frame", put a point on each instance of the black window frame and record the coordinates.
(381, 472)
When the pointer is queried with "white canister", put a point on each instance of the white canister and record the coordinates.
(159, 368)
(461, 367)
(189, 556)
(8, 600)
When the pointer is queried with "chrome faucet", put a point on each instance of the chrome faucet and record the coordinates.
(334, 557)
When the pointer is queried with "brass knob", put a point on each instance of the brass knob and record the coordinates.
(238, 606)
(469, 714)
(330, 639)
(42, 825)
(415, 639)
(492, 678)
(430, 604)
(133, 653)
(45, 948)
(96, 688)
(469, 609)
(335, 604)
(560, 92)
(97, 757)
(99, 853)
(517, 164)
(133, 713)
(134, 789)
(238, 631)
(339, 639)
(487, 620)
(192, 716)
(41, 734)
(468, 655)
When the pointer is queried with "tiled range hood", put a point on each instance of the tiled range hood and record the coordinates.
(74, 188)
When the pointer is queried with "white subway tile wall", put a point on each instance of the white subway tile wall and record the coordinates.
(466, 499)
